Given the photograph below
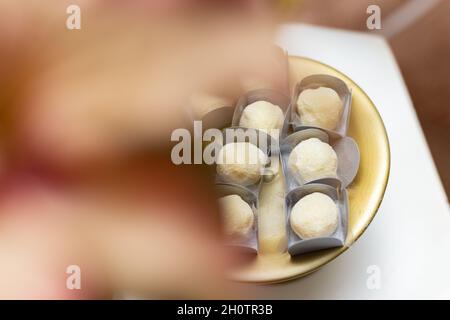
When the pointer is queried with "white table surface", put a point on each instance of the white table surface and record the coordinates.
(409, 239)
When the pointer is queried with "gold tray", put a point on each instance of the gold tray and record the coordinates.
(273, 265)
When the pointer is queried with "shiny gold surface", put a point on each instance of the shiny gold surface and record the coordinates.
(365, 193)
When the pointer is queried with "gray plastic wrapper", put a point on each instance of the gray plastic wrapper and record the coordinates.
(293, 120)
(297, 245)
(249, 243)
(346, 149)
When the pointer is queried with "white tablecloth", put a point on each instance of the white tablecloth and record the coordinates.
(409, 239)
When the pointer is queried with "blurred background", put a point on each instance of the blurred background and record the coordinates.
(417, 32)
(86, 116)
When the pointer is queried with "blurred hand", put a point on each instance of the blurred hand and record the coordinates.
(86, 116)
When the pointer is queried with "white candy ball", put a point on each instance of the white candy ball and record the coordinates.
(313, 159)
(315, 215)
(237, 215)
(241, 163)
(320, 107)
(262, 115)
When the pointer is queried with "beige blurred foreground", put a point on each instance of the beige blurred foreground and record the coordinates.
(85, 117)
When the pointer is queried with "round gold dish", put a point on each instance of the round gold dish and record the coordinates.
(365, 193)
